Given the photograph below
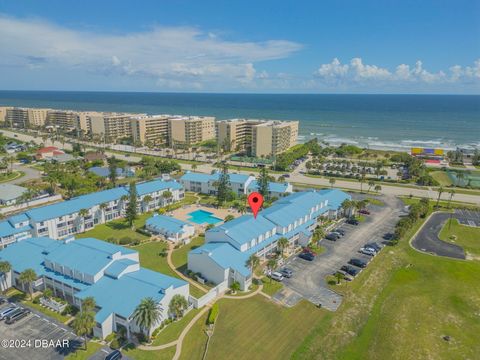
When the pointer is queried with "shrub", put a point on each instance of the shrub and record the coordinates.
(36, 300)
(110, 337)
(212, 316)
(125, 240)
(115, 344)
(143, 232)
(70, 310)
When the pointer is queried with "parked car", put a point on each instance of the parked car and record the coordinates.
(7, 311)
(374, 246)
(114, 355)
(353, 221)
(16, 315)
(286, 175)
(357, 262)
(364, 211)
(350, 270)
(2, 300)
(388, 236)
(286, 272)
(307, 249)
(307, 256)
(276, 276)
(345, 275)
(340, 231)
(368, 251)
(332, 236)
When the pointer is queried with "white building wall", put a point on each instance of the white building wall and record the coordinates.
(209, 269)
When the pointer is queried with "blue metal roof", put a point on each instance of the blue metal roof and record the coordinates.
(166, 224)
(335, 197)
(118, 267)
(244, 228)
(16, 219)
(122, 296)
(226, 256)
(205, 178)
(157, 185)
(272, 186)
(76, 204)
(104, 171)
(87, 255)
(7, 229)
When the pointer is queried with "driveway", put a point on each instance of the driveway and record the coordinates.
(37, 331)
(309, 276)
(427, 239)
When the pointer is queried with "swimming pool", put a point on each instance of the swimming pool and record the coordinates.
(202, 216)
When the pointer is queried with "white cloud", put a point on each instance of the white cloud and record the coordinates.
(168, 55)
(358, 73)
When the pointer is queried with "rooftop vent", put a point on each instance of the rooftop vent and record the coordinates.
(68, 239)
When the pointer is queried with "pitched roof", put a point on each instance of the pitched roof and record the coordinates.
(272, 186)
(225, 255)
(204, 178)
(166, 224)
(11, 192)
(157, 185)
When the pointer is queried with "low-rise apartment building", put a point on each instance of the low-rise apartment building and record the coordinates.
(190, 130)
(171, 229)
(228, 246)
(241, 184)
(257, 137)
(81, 268)
(82, 213)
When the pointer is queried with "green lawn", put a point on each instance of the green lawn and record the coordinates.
(151, 258)
(82, 354)
(401, 307)
(136, 354)
(375, 201)
(466, 236)
(253, 328)
(173, 330)
(270, 286)
(4, 177)
(442, 177)
(180, 256)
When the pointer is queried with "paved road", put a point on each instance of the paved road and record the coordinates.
(294, 177)
(427, 239)
(309, 277)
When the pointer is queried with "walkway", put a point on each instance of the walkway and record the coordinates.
(427, 239)
(171, 247)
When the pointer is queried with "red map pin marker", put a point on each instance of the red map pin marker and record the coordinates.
(255, 200)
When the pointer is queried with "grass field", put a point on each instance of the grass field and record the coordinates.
(375, 201)
(466, 236)
(82, 354)
(442, 177)
(180, 256)
(4, 177)
(173, 330)
(133, 353)
(270, 286)
(401, 307)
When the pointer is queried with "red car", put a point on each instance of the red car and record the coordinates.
(365, 212)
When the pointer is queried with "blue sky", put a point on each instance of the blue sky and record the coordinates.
(242, 46)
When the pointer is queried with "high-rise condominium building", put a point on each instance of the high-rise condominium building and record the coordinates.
(23, 117)
(257, 137)
(3, 113)
(150, 129)
(190, 130)
(111, 126)
(64, 119)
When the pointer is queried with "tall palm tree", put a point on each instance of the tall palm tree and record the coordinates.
(147, 199)
(5, 268)
(440, 192)
(460, 177)
(147, 314)
(83, 325)
(371, 184)
(271, 265)
(102, 207)
(82, 213)
(194, 167)
(167, 194)
(252, 262)
(282, 243)
(332, 182)
(177, 306)
(89, 304)
(452, 193)
(347, 205)
(27, 277)
(378, 188)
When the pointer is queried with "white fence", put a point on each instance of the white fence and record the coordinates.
(212, 294)
(18, 207)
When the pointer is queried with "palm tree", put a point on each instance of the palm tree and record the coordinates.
(378, 188)
(347, 205)
(271, 265)
(147, 314)
(83, 325)
(177, 306)
(147, 199)
(102, 207)
(88, 304)
(371, 183)
(5, 268)
(252, 262)
(440, 192)
(27, 277)
(339, 277)
(235, 287)
(332, 182)
(460, 176)
(27, 195)
(452, 193)
(194, 167)
(361, 180)
(242, 208)
(82, 213)
(282, 243)
(167, 194)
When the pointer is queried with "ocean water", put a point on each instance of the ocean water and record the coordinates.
(374, 121)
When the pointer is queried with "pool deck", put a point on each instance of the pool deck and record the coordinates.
(183, 214)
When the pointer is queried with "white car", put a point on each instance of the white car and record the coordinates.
(276, 276)
(368, 251)
(7, 311)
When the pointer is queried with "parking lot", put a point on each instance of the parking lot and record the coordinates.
(37, 338)
(308, 280)
(468, 217)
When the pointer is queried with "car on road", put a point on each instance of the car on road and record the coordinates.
(357, 262)
(350, 270)
(286, 175)
(307, 256)
(353, 221)
(374, 246)
(286, 272)
(7, 311)
(368, 251)
(364, 211)
(16, 316)
(114, 355)
(332, 236)
(276, 276)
